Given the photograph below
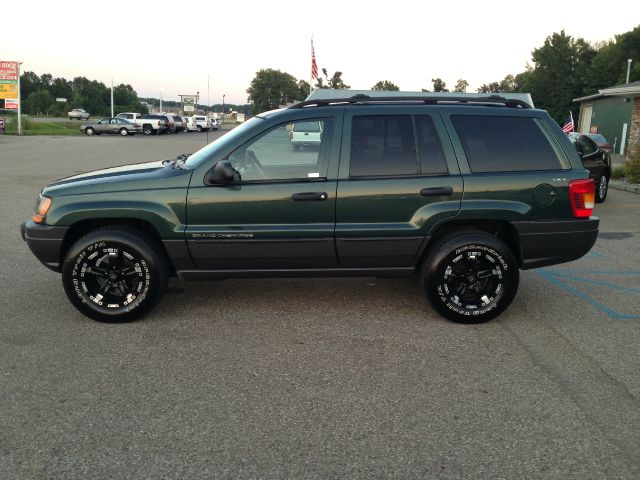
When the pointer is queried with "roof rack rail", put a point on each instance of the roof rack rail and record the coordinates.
(491, 100)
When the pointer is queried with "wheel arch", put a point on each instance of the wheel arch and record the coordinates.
(501, 229)
(83, 227)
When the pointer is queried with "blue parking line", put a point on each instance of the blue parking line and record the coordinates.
(601, 283)
(594, 272)
(556, 278)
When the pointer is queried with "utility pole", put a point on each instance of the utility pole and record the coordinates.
(111, 97)
(160, 101)
(223, 108)
(628, 69)
(19, 102)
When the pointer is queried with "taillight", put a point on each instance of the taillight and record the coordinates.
(583, 196)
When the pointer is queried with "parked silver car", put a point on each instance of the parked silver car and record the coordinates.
(111, 125)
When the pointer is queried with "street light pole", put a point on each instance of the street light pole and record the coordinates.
(111, 97)
(160, 101)
(223, 108)
(628, 69)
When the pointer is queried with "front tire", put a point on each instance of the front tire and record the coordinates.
(602, 188)
(89, 131)
(470, 277)
(115, 274)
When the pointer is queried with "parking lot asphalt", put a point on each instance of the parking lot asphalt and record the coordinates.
(346, 378)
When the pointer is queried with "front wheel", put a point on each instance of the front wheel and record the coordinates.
(115, 275)
(602, 188)
(470, 277)
(89, 131)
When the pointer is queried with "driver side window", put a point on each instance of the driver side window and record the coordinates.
(290, 151)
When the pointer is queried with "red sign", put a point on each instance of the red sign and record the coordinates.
(11, 104)
(9, 71)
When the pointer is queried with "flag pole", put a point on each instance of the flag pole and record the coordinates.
(312, 54)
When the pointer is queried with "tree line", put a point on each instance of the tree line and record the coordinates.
(561, 69)
(39, 94)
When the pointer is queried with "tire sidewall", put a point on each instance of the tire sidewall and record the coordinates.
(151, 262)
(433, 277)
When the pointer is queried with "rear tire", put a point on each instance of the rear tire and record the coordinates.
(470, 277)
(602, 188)
(124, 132)
(115, 274)
(147, 130)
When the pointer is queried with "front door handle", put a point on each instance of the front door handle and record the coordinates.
(436, 191)
(309, 196)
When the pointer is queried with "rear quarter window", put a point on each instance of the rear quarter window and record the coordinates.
(504, 144)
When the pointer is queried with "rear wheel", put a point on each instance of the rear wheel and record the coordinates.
(124, 132)
(200, 128)
(115, 275)
(602, 188)
(470, 277)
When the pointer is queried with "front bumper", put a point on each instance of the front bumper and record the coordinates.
(548, 242)
(45, 242)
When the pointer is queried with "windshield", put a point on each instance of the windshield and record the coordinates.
(597, 137)
(205, 152)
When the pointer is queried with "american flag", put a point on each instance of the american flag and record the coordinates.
(314, 65)
(568, 125)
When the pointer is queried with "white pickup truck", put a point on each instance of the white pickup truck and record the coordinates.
(149, 125)
(201, 123)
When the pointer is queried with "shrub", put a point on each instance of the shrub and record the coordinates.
(617, 173)
(632, 169)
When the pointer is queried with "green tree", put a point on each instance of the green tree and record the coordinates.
(507, 84)
(303, 90)
(559, 73)
(461, 85)
(439, 85)
(271, 88)
(609, 65)
(39, 103)
(386, 85)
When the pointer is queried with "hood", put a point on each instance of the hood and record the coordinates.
(126, 177)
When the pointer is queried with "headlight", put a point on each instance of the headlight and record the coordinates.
(42, 207)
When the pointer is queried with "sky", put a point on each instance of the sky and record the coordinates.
(216, 47)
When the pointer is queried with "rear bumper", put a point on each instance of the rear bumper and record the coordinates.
(548, 242)
(45, 242)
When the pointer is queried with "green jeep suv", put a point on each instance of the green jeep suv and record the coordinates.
(462, 192)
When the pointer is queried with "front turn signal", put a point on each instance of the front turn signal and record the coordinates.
(44, 203)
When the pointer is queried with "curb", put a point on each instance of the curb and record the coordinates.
(618, 185)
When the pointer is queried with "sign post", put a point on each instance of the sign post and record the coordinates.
(10, 88)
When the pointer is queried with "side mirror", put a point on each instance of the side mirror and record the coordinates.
(222, 173)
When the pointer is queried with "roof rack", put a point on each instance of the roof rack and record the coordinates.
(491, 100)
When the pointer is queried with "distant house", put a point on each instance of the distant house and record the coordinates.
(615, 113)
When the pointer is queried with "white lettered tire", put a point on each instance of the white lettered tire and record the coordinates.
(470, 277)
(115, 274)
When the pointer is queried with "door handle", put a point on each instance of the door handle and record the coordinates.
(436, 191)
(309, 196)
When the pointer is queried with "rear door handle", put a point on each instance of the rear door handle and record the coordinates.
(309, 196)
(436, 191)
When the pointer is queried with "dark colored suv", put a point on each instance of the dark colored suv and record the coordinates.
(463, 192)
(595, 159)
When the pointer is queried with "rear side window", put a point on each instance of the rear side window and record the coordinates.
(430, 153)
(504, 144)
(382, 146)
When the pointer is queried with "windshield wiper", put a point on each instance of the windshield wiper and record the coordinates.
(177, 162)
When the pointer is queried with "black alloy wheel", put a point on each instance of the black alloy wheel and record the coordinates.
(470, 277)
(114, 274)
